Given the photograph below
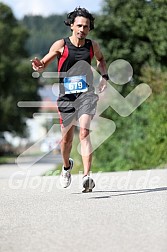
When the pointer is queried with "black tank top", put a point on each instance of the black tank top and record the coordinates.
(81, 56)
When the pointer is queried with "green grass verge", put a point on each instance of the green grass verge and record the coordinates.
(7, 159)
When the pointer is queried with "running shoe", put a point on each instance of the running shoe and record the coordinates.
(65, 177)
(88, 184)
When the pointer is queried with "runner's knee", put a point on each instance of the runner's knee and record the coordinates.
(83, 133)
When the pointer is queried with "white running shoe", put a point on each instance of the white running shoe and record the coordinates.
(65, 177)
(88, 184)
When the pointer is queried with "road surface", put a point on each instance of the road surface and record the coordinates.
(127, 212)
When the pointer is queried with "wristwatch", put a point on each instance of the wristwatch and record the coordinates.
(105, 76)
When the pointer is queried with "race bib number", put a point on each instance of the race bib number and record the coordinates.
(75, 84)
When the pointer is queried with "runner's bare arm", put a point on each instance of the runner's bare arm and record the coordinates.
(101, 64)
(55, 50)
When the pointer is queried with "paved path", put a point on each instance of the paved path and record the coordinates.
(127, 212)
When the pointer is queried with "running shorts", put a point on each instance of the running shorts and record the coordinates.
(72, 106)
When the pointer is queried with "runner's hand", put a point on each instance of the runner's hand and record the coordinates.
(102, 85)
(37, 65)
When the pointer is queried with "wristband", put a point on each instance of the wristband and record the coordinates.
(105, 76)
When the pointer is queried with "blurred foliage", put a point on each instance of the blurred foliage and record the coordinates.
(44, 31)
(16, 83)
(134, 31)
(140, 139)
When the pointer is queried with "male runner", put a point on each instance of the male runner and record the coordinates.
(77, 100)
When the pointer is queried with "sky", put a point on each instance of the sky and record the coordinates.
(48, 7)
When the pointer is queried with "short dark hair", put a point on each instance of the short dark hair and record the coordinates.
(81, 12)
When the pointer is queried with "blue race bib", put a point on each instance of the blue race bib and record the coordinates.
(75, 84)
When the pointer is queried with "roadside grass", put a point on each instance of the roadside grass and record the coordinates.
(7, 159)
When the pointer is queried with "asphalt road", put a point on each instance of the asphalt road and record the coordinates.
(126, 212)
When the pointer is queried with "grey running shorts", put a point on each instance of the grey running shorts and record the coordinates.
(72, 106)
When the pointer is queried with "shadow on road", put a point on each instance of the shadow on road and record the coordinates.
(127, 192)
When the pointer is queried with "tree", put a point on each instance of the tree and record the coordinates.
(135, 31)
(16, 83)
(44, 31)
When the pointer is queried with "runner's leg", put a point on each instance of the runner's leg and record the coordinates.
(66, 143)
(86, 147)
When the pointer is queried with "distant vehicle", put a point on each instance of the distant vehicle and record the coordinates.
(5, 146)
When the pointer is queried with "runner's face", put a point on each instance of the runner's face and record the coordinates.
(81, 27)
